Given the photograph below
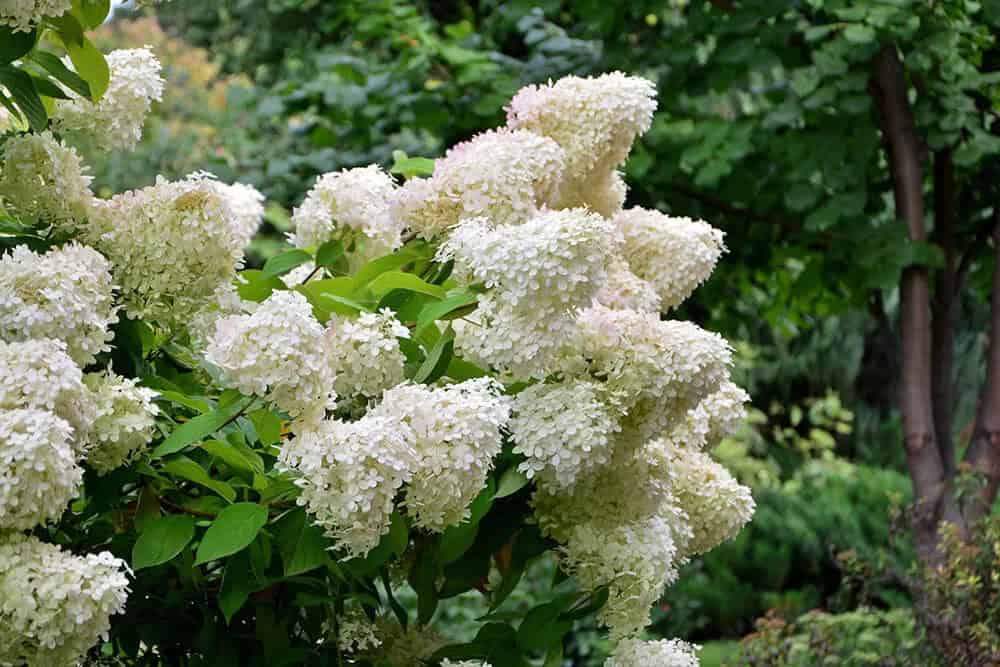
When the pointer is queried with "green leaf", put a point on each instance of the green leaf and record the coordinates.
(268, 426)
(228, 453)
(15, 45)
(377, 267)
(49, 89)
(436, 363)
(281, 264)
(859, 33)
(302, 544)
(185, 468)
(253, 285)
(457, 305)
(198, 428)
(162, 540)
(329, 296)
(87, 59)
(511, 481)
(541, 627)
(233, 530)
(237, 584)
(91, 13)
(329, 253)
(423, 577)
(411, 166)
(391, 280)
(22, 88)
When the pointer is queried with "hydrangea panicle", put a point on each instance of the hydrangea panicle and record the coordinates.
(364, 353)
(124, 423)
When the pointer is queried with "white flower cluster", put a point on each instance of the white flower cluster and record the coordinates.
(716, 505)
(675, 255)
(279, 351)
(23, 15)
(455, 431)
(350, 206)
(39, 374)
(565, 431)
(43, 179)
(223, 302)
(39, 474)
(595, 121)
(53, 605)
(364, 353)
(66, 294)
(502, 175)
(624, 290)
(356, 633)
(116, 120)
(171, 245)
(662, 653)
(349, 473)
(539, 273)
(654, 370)
(125, 417)
(464, 663)
(439, 441)
(247, 204)
(718, 415)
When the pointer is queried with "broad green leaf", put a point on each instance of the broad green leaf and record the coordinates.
(457, 305)
(185, 468)
(233, 530)
(329, 253)
(302, 544)
(198, 428)
(87, 59)
(48, 89)
(281, 264)
(228, 453)
(268, 426)
(411, 166)
(511, 481)
(22, 89)
(391, 280)
(436, 363)
(237, 585)
(14, 45)
(162, 540)
(329, 296)
(196, 404)
(423, 578)
(541, 627)
(91, 13)
(377, 267)
(253, 285)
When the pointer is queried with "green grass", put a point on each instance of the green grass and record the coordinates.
(716, 653)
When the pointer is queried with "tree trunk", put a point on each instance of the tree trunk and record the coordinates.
(932, 501)
(983, 454)
(943, 325)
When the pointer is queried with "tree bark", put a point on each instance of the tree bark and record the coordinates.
(932, 501)
(983, 455)
(943, 325)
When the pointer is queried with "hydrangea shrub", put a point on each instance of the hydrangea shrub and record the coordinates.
(445, 378)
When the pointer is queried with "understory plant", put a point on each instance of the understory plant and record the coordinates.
(451, 374)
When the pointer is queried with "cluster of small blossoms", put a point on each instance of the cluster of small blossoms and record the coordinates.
(65, 294)
(365, 355)
(565, 431)
(675, 255)
(595, 121)
(539, 274)
(717, 416)
(349, 473)
(171, 246)
(125, 418)
(247, 205)
(410, 647)
(501, 175)
(53, 605)
(279, 351)
(716, 505)
(43, 179)
(39, 374)
(662, 653)
(23, 15)
(350, 206)
(657, 370)
(623, 290)
(116, 120)
(39, 474)
(455, 431)
(464, 663)
(356, 633)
